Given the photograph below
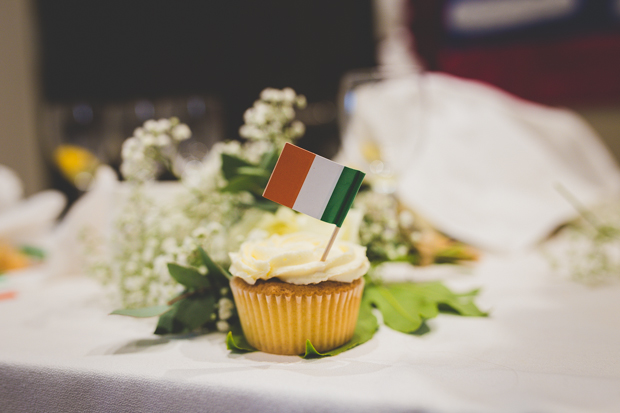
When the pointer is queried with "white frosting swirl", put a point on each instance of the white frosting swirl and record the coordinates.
(296, 259)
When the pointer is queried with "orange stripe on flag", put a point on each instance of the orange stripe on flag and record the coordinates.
(289, 175)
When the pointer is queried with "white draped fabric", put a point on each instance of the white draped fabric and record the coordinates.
(478, 163)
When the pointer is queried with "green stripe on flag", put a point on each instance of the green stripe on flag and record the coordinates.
(342, 198)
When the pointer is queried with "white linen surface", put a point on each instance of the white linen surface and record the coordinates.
(550, 345)
(478, 163)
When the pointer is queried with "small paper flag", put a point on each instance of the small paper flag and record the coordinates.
(313, 185)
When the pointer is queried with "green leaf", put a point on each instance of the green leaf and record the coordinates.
(213, 267)
(33, 252)
(424, 329)
(405, 306)
(461, 307)
(471, 293)
(244, 183)
(269, 159)
(365, 329)
(265, 204)
(143, 312)
(168, 324)
(415, 299)
(463, 303)
(396, 312)
(237, 343)
(311, 352)
(230, 165)
(186, 315)
(254, 171)
(195, 311)
(188, 277)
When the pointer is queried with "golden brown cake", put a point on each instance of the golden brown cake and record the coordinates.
(278, 317)
(285, 295)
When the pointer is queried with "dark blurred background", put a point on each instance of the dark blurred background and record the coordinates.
(122, 62)
(88, 72)
(118, 51)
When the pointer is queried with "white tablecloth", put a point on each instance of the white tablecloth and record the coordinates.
(550, 345)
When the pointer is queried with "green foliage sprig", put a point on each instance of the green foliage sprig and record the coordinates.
(242, 175)
(196, 308)
(405, 307)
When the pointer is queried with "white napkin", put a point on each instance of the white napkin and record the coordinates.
(91, 211)
(486, 165)
(30, 220)
(11, 189)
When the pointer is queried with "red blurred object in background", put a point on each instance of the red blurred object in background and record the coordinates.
(579, 71)
(566, 55)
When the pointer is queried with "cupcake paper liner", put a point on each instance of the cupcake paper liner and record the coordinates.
(281, 324)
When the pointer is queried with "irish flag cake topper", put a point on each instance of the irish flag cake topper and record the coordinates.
(314, 186)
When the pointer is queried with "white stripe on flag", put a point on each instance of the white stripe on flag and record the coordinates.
(318, 187)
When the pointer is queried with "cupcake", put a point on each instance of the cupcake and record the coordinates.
(286, 295)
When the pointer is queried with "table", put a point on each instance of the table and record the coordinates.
(550, 345)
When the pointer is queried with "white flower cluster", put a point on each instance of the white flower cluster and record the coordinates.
(154, 143)
(136, 263)
(380, 229)
(225, 307)
(588, 249)
(149, 235)
(272, 117)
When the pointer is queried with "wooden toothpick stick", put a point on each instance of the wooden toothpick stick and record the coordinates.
(330, 243)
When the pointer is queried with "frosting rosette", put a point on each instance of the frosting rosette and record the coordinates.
(296, 259)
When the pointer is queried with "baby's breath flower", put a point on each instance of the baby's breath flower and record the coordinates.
(148, 254)
(288, 112)
(163, 125)
(222, 326)
(169, 245)
(301, 102)
(270, 94)
(181, 132)
(380, 230)
(150, 125)
(131, 146)
(200, 232)
(288, 95)
(298, 128)
(225, 307)
(181, 259)
(251, 132)
(163, 140)
(272, 117)
(151, 144)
